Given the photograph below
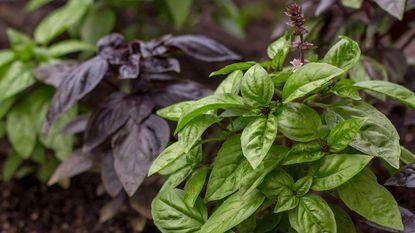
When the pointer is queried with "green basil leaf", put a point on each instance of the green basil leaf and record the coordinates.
(257, 138)
(308, 79)
(302, 186)
(313, 215)
(209, 103)
(179, 10)
(257, 86)
(231, 84)
(268, 222)
(343, 221)
(5, 106)
(99, 21)
(69, 46)
(233, 67)
(17, 78)
(6, 56)
(174, 158)
(378, 137)
(287, 200)
(395, 91)
(194, 185)
(407, 156)
(247, 226)
(365, 196)
(10, 165)
(281, 76)
(334, 170)
(173, 112)
(229, 168)
(355, 4)
(303, 153)
(275, 183)
(193, 131)
(298, 122)
(344, 133)
(344, 54)
(176, 178)
(232, 212)
(33, 5)
(60, 20)
(171, 205)
(278, 50)
(253, 178)
(345, 89)
(21, 44)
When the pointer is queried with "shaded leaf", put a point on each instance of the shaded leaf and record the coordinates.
(394, 7)
(179, 10)
(53, 74)
(343, 221)
(77, 125)
(16, 78)
(405, 177)
(160, 65)
(275, 183)
(110, 209)
(194, 186)
(109, 177)
(231, 84)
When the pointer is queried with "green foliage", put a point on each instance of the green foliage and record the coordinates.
(283, 140)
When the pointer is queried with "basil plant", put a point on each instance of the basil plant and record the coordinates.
(295, 141)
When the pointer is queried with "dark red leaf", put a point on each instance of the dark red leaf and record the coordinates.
(114, 49)
(405, 177)
(151, 48)
(135, 147)
(160, 65)
(114, 113)
(53, 74)
(202, 48)
(109, 178)
(409, 225)
(131, 69)
(77, 125)
(323, 6)
(186, 90)
(76, 85)
(79, 162)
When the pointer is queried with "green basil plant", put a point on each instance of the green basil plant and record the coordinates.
(295, 141)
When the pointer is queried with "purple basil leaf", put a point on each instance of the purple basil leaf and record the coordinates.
(77, 125)
(394, 7)
(114, 113)
(405, 213)
(53, 74)
(79, 162)
(151, 48)
(160, 65)
(202, 48)
(156, 77)
(186, 90)
(131, 69)
(110, 209)
(113, 48)
(409, 225)
(76, 85)
(109, 178)
(135, 146)
(405, 177)
(395, 63)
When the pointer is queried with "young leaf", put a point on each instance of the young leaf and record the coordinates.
(334, 170)
(229, 168)
(345, 89)
(171, 205)
(173, 112)
(135, 146)
(69, 46)
(6, 56)
(344, 133)
(371, 200)
(202, 48)
(278, 50)
(395, 91)
(308, 79)
(233, 211)
(256, 86)
(75, 86)
(303, 153)
(343, 221)
(257, 138)
(176, 178)
(344, 54)
(378, 137)
(314, 215)
(194, 185)
(60, 20)
(298, 122)
(287, 200)
(233, 67)
(231, 84)
(193, 131)
(275, 183)
(302, 186)
(209, 103)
